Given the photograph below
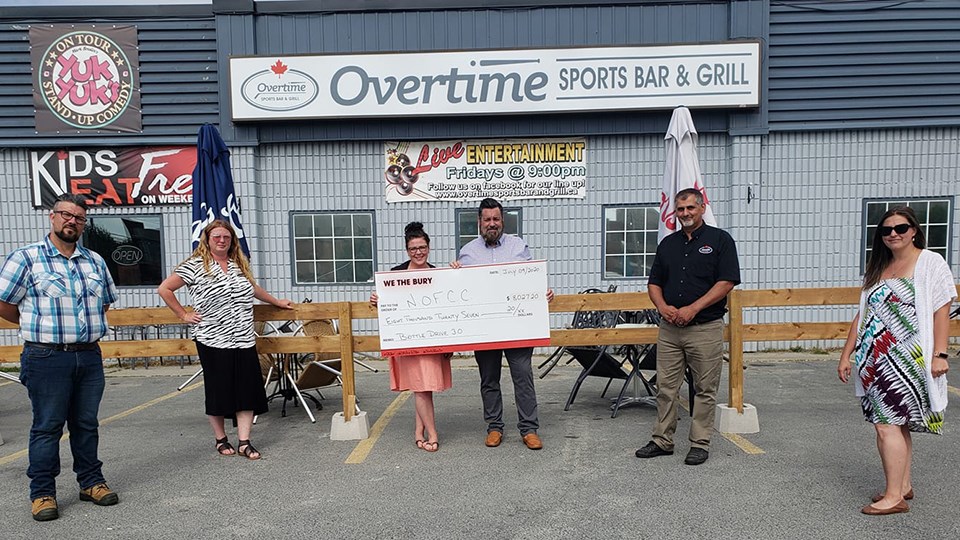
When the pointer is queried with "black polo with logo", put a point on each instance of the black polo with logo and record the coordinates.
(687, 269)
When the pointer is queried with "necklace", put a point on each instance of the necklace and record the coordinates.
(902, 268)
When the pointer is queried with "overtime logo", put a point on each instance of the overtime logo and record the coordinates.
(279, 88)
(86, 79)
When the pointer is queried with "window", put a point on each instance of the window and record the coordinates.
(630, 240)
(468, 228)
(333, 247)
(932, 214)
(131, 245)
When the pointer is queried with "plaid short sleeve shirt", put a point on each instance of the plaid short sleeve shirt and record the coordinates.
(61, 300)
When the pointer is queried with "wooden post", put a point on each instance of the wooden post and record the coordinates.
(735, 304)
(346, 361)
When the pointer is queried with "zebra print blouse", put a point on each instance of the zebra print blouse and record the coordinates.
(225, 302)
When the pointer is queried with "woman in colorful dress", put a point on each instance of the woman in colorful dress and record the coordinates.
(219, 278)
(898, 345)
(423, 374)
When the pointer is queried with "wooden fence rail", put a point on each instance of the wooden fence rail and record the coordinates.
(347, 343)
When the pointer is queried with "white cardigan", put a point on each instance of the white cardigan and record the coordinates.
(935, 288)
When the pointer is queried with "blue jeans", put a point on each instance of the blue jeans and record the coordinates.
(64, 387)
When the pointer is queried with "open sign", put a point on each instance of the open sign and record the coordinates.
(127, 255)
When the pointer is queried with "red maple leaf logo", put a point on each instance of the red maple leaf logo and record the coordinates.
(279, 68)
(61, 155)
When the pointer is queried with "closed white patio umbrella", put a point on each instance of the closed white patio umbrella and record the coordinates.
(681, 171)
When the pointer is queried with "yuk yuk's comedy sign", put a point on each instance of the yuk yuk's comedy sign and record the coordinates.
(144, 176)
(85, 78)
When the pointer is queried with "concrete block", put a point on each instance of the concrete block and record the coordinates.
(358, 428)
(729, 420)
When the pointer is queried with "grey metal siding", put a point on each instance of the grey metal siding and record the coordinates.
(793, 202)
(178, 79)
(348, 176)
(846, 65)
(813, 188)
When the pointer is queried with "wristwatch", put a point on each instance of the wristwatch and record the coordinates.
(942, 354)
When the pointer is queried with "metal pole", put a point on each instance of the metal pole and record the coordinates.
(190, 380)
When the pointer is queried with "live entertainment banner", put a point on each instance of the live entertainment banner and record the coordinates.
(143, 176)
(85, 78)
(474, 308)
(467, 170)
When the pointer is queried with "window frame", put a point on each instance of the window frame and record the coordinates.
(473, 211)
(603, 241)
(291, 216)
(865, 225)
(91, 219)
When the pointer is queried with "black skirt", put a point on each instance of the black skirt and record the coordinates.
(232, 381)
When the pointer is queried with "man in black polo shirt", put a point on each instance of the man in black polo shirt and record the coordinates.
(694, 270)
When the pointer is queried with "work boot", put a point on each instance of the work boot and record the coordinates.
(45, 509)
(99, 495)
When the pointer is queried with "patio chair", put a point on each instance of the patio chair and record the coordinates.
(596, 361)
(320, 370)
(644, 358)
(579, 321)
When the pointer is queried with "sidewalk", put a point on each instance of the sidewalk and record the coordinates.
(818, 465)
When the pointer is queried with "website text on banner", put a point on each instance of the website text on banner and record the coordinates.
(472, 308)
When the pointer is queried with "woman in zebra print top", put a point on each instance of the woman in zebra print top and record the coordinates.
(219, 279)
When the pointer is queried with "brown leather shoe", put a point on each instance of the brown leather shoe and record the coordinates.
(44, 509)
(493, 439)
(906, 496)
(99, 495)
(533, 442)
(899, 508)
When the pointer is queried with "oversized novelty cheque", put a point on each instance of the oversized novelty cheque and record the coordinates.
(497, 306)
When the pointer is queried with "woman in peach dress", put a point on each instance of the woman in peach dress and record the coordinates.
(426, 373)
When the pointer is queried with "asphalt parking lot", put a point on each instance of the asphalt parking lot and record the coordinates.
(805, 475)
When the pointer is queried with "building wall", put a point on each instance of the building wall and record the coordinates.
(800, 228)
(863, 65)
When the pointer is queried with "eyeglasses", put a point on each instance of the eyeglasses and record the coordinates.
(418, 249)
(67, 216)
(899, 229)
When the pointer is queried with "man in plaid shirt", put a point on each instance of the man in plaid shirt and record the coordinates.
(59, 293)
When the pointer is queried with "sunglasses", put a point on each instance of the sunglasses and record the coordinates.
(899, 229)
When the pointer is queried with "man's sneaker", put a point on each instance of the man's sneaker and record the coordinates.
(652, 450)
(45, 509)
(696, 456)
(99, 495)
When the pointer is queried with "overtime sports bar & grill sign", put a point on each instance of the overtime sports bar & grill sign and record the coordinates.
(495, 81)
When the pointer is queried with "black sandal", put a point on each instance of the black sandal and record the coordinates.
(248, 450)
(223, 446)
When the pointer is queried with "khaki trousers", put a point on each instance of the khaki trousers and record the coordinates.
(699, 347)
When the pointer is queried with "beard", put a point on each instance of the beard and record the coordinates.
(69, 236)
(491, 234)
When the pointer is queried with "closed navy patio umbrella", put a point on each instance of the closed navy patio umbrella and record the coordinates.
(214, 196)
